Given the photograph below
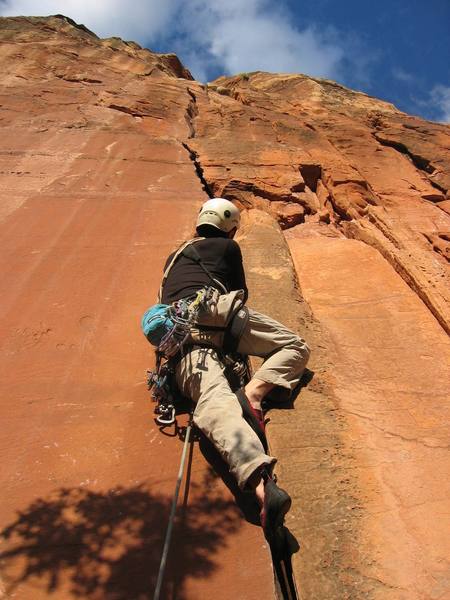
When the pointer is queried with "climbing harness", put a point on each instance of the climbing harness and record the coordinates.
(182, 316)
(165, 552)
(171, 327)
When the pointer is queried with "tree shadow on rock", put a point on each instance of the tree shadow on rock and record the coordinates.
(108, 545)
(282, 546)
(245, 501)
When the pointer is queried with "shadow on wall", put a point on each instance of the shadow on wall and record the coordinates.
(109, 544)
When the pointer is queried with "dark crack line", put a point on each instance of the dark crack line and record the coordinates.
(198, 169)
(133, 112)
(191, 113)
(420, 162)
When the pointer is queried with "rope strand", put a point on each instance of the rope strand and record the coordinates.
(165, 552)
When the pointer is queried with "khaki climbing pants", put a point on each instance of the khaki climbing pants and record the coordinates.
(218, 414)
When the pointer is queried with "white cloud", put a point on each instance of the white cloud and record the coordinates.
(255, 35)
(440, 100)
(403, 76)
(139, 20)
(210, 36)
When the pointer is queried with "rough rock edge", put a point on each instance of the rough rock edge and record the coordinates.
(76, 25)
(169, 63)
(275, 290)
(360, 217)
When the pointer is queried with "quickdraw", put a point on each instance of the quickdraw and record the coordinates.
(159, 383)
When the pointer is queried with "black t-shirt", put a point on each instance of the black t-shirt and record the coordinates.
(223, 259)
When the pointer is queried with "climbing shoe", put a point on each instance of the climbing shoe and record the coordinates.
(277, 502)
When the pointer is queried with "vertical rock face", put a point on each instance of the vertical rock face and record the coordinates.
(96, 189)
(107, 150)
(311, 151)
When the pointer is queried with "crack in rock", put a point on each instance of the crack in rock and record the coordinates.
(198, 169)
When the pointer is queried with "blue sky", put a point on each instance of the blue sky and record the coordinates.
(397, 50)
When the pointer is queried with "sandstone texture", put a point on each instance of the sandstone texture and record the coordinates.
(94, 197)
(107, 151)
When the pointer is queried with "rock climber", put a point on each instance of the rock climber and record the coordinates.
(200, 373)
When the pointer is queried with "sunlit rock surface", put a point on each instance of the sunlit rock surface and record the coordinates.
(107, 151)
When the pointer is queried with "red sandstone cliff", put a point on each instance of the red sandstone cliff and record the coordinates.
(107, 150)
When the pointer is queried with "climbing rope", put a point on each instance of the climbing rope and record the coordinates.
(166, 547)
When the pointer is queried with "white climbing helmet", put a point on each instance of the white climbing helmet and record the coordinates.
(219, 213)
